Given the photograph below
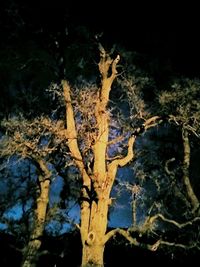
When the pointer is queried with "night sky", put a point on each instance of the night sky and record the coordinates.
(164, 30)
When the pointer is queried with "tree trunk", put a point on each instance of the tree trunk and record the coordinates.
(97, 183)
(186, 165)
(31, 251)
(93, 239)
(93, 232)
(30, 256)
(92, 255)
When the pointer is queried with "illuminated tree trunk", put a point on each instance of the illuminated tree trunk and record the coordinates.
(93, 236)
(31, 251)
(98, 183)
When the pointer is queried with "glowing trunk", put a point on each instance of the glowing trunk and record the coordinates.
(93, 238)
(93, 256)
(31, 251)
(97, 183)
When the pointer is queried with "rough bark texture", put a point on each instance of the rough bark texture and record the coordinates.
(94, 212)
(32, 249)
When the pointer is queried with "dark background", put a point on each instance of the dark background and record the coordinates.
(163, 30)
(166, 35)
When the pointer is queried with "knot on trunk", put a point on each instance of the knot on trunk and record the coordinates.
(90, 238)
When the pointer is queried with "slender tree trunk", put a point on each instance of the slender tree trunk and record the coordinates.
(31, 251)
(134, 208)
(186, 165)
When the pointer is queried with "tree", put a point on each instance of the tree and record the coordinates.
(34, 140)
(99, 141)
(98, 179)
(183, 106)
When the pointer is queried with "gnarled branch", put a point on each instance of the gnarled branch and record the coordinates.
(167, 166)
(71, 133)
(112, 167)
(152, 219)
(122, 232)
(178, 245)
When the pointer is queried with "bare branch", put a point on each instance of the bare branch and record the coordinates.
(116, 140)
(151, 220)
(122, 232)
(151, 122)
(25, 137)
(130, 155)
(161, 242)
(71, 133)
(113, 158)
(152, 247)
(178, 245)
(114, 67)
(112, 167)
(78, 226)
(167, 166)
(155, 246)
(193, 130)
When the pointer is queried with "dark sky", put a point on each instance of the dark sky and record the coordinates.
(160, 29)
(164, 29)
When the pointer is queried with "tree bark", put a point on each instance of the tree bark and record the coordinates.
(186, 165)
(93, 244)
(97, 185)
(31, 251)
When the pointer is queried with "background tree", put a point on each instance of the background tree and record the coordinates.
(183, 106)
(35, 141)
(164, 165)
